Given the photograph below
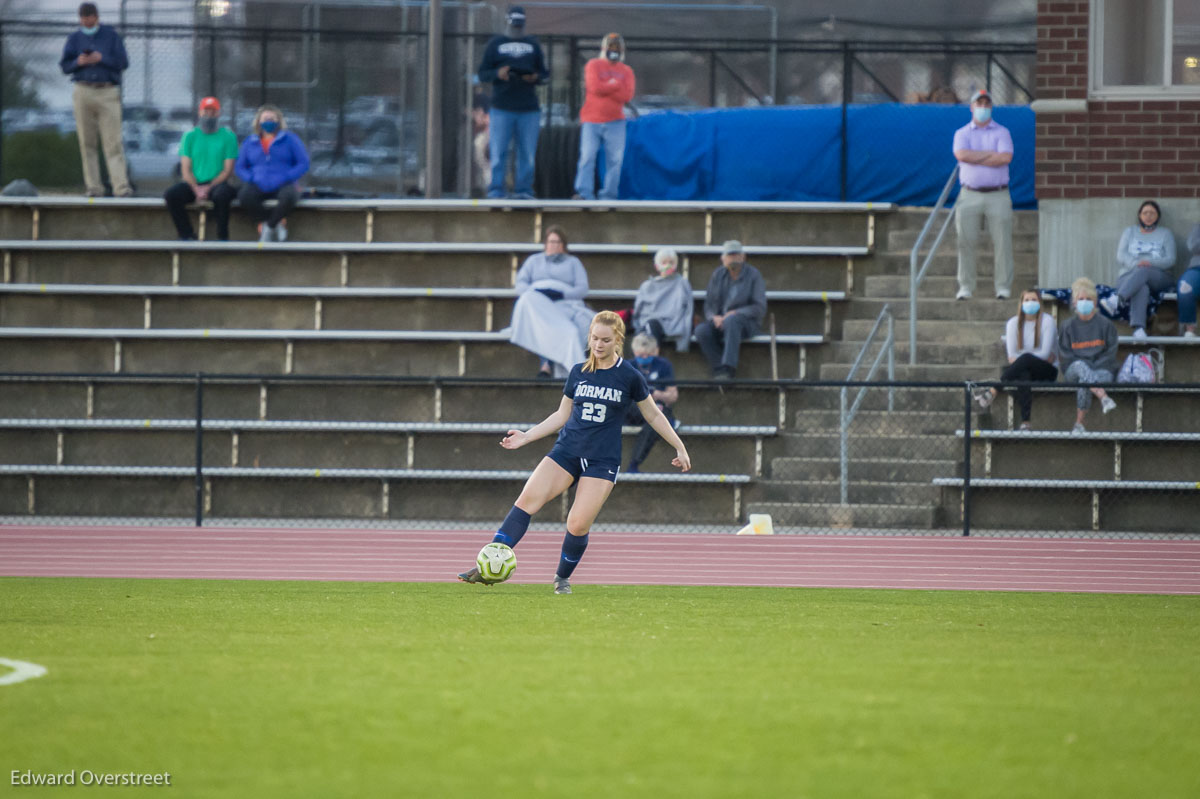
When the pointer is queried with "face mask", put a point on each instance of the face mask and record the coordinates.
(644, 360)
(665, 269)
(1031, 307)
(982, 114)
(92, 31)
(208, 124)
(269, 126)
(1084, 307)
(556, 258)
(613, 55)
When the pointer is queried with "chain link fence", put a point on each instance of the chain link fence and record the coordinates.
(356, 96)
(818, 458)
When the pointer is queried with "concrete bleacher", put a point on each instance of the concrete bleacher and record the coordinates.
(364, 301)
(271, 448)
(1134, 468)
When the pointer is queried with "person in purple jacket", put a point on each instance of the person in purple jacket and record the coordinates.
(269, 163)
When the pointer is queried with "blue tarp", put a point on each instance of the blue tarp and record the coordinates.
(897, 153)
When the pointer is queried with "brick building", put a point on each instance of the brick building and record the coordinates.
(1118, 122)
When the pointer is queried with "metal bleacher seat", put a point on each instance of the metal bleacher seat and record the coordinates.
(1093, 480)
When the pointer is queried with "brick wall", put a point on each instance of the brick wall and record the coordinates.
(1117, 148)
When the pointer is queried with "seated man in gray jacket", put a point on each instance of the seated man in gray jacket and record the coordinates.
(734, 307)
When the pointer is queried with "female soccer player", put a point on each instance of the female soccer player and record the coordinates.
(596, 395)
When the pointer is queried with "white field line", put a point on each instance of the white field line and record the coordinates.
(21, 671)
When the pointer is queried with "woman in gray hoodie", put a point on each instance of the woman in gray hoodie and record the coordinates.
(1146, 254)
(1087, 351)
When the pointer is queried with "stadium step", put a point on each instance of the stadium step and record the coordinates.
(907, 470)
(945, 263)
(826, 517)
(994, 312)
(903, 240)
(872, 422)
(821, 492)
(944, 287)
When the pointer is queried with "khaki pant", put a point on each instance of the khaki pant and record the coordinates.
(98, 117)
(997, 207)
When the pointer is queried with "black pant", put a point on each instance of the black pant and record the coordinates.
(1028, 368)
(648, 436)
(180, 195)
(721, 345)
(252, 198)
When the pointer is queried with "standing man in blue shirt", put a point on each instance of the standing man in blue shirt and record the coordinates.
(513, 63)
(94, 56)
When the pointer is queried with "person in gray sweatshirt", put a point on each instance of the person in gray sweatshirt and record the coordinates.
(1146, 254)
(1087, 351)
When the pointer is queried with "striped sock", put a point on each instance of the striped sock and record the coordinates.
(514, 527)
(572, 551)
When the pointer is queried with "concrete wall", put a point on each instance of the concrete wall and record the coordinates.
(1079, 236)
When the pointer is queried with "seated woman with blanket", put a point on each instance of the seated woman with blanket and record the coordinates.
(549, 318)
(665, 304)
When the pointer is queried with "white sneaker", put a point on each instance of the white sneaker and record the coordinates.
(281, 232)
(1110, 304)
(1079, 428)
(1189, 334)
(266, 233)
(1140, 334)
(1108, 405)
(963, 294)
(1003, 294)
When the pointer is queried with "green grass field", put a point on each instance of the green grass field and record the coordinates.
(305, 689)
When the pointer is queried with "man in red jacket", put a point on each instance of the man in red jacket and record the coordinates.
(609, 84)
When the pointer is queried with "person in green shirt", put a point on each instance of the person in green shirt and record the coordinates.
(206, 161)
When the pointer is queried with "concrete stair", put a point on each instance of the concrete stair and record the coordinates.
(893, 456)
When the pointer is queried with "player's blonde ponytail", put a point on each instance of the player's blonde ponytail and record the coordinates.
(618, 328)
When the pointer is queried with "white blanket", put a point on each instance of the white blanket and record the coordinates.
(556, 331)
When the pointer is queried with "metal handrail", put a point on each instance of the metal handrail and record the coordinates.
(915, 276)
(847, 414)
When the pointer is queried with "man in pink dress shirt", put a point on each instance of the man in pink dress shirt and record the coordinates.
(984, 150)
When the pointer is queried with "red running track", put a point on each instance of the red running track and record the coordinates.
(1157, 567)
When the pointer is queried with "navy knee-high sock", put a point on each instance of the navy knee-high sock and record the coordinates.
(513, 528)
(572, 551)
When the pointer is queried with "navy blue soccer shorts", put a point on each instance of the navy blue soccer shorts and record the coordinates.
(585, 467)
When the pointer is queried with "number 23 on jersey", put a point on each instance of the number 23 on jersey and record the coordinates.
(593, 412)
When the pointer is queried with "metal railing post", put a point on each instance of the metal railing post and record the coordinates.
(847, 414)
(915, 275)
(199, 449)
(966, 497)
(843, 459)
(891, 361)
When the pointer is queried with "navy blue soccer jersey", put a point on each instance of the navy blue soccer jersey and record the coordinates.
(601, 400)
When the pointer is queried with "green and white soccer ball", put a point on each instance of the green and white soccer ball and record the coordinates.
(496, 562)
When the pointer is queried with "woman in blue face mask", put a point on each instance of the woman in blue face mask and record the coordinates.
(270, 163)
(1087, 350)
(1030, 340)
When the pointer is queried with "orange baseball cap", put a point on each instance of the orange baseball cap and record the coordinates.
(210, 102)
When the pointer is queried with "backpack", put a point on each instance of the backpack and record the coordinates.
(1142, 367)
